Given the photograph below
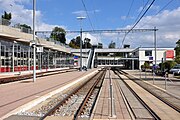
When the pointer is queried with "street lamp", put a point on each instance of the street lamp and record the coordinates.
(34, 46)
(81, 18)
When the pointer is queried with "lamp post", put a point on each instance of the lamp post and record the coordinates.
(81, 18)
(34, 46)
(155, 46)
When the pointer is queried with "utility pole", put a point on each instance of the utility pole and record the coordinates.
(155, 46)
(34, 45)
(81, 18)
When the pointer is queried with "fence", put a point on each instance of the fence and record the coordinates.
(9, 23)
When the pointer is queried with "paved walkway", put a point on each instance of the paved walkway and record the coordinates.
(161, 109)
(103, 108)
(13, 95)
(11, 74)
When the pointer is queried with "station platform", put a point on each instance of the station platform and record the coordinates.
(11, 74)
(103, 108)
(134, 111)
(14, 95)
(172, 85)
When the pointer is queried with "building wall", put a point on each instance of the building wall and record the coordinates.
(160, 55)
(23, 57)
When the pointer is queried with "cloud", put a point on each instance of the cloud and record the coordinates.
(82, 13)
(23, 15)
(125, 17)
(168, 25)
(152, 8)
(94, 38)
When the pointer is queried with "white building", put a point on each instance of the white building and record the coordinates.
(148, 55)
(125, 57)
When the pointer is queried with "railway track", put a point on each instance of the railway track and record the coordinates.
(165, 97)
(28, 76)
(133, 101)
(75, 103)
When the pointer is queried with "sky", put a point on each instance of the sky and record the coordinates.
(102, 15)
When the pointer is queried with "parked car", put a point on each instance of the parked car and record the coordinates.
(175, 69)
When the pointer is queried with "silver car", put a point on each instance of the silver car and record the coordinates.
(175, 69)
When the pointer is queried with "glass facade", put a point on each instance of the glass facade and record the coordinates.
(16, 56)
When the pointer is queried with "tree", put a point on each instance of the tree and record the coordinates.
(75, 42)
(58, 34)
(177, 48)
(112, 45)
(177, 59)
(6, 18)
(78, 39)
(169, 64)
(87, 43)
(100, 45)
(25, 26)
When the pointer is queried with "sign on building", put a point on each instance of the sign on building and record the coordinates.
(39, 49)
(170, 54)
(150, 58)
(76, 60)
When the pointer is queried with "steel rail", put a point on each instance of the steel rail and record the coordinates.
(81, 107)
(53, 109)
(154, 115)
(167, 101)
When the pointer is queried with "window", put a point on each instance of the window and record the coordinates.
(3, 62)
(148, 52)
(2, 50)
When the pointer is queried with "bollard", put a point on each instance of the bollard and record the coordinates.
(153, 77)
(166, 75)
(112, 115)
(165, 82)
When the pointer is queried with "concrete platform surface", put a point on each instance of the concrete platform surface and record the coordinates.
(173, 84)
(16, 94)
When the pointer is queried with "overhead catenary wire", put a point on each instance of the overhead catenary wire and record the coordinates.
(87, 14)
(128, 12)
(95, 15)
(142, 10)
(164, 7)
(167, 4)
(137, 22)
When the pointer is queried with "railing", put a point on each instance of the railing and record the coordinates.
(12, 24)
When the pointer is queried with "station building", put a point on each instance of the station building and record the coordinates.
(16, 53)
(126, 58)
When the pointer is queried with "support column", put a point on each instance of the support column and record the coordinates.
(0, 57)
(132, 64)
(48, 60)
(29, 50)
(23, 59)
(55, 59)
(40, 62)
(20, 58)
(13, 57)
